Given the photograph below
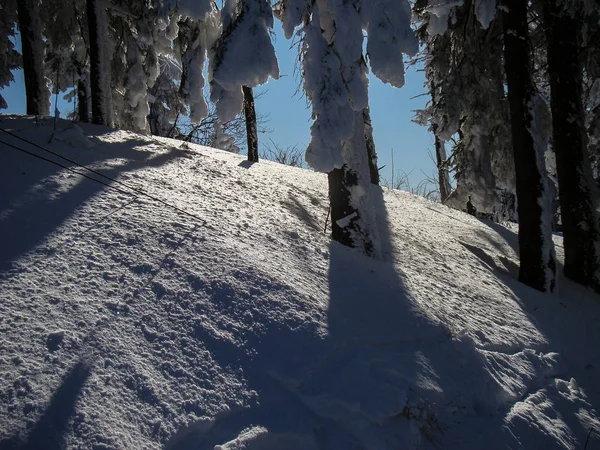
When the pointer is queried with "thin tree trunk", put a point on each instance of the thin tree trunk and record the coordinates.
(83, 107)
(370, 142)
(36, 91)
(577, 194)
(99, 94)
(536, 249)
(440, 156)
(251, 129)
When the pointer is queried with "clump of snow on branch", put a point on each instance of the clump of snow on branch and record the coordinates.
(439, 15)
(485, 10)
(324, 87)
(243, 55)
(197, 37)
(390, 36)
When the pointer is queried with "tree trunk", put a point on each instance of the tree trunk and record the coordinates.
(353, 221)
(537, 268)
(577, 194)
(251, 129)
(370, 142)
(99, 91)
(83, 107)
(36, 91)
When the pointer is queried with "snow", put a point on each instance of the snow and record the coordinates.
(243, 55)
(485, 10)
(390, 36)
(125, 323)
(439, 15)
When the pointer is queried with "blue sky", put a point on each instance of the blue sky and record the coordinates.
(391, 114)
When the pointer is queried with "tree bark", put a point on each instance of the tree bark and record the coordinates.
(251, 128)
(353, 221)
(577, 193)
(83, 107)
(370, 142)
(36, 91)
(537, 268)
(99, 93)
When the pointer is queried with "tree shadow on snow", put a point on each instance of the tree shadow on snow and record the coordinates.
(31, 207)
(382, 375)
(48, 431)
(568, 321)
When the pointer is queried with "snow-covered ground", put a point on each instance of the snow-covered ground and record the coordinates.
(126, 324)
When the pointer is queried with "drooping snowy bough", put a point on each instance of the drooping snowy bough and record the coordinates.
(335, 81)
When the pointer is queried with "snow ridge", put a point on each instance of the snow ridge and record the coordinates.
(124, 324)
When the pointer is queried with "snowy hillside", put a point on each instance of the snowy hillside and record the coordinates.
(127, 324)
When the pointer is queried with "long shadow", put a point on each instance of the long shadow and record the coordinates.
(569, 324)
(48, 431)
(26, 219)
(380, 378)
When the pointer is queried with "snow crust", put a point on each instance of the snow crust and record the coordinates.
(127, 324)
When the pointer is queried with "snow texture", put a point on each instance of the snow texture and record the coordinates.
(126, 324)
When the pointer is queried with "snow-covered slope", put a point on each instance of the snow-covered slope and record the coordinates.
(126, 324)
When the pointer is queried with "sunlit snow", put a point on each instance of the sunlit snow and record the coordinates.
(127, 324)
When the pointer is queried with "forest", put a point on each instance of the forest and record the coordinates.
(514, 92)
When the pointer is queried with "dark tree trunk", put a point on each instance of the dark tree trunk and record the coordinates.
(535, 241)
(83, 107)
(97, 88)
(370, 142)
(38, 95)
(577, 194)
(344, 216)
(251, 129)
(353, 222)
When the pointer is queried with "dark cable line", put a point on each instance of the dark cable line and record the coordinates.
(137, 191)
(67, 159)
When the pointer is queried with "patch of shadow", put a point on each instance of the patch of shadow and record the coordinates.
(48, 432)
(316, 201)
(511, 266)
(246, 164)
(298, 209)
(481, 254)
(54, 340)
(489, 261)
(508, 235)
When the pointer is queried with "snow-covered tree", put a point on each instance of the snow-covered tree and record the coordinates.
(30, 27)
(463, 64)
(65, 33)
(242, 57)
(335, 81)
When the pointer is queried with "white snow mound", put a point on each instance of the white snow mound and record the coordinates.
(128, 324)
